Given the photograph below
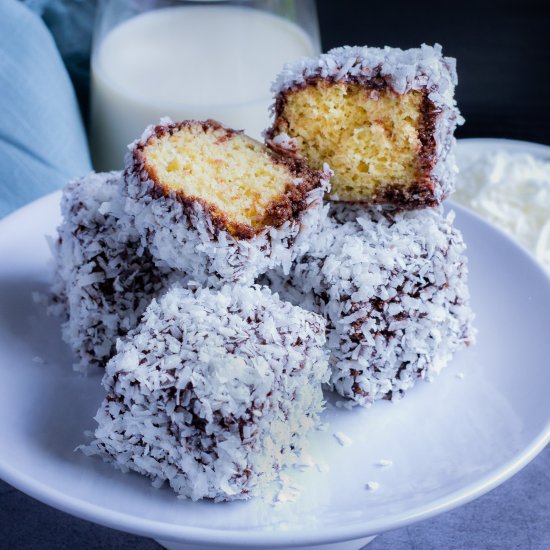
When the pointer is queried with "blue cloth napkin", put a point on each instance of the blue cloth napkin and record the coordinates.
(71, 24)
(42, 139)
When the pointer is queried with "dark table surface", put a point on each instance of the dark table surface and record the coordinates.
(503, 52)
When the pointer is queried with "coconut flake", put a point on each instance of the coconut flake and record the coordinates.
(372, 486)
(322, 467)
(343, 439)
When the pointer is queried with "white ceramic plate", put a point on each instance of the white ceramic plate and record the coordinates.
(450, 441)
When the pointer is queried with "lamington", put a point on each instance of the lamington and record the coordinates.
(393, 288)
(214, 392)
(382, 118)
(208, 198)
(104, 278)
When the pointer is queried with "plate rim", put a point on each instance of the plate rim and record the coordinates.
(79, 507)
(185, 534)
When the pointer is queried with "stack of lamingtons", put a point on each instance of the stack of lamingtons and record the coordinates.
(222, 291)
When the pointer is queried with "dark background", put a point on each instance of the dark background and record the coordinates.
(502, 51)
(502, 48)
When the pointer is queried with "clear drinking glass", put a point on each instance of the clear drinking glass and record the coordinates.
(189, 59)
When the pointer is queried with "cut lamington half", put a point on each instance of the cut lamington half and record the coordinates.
(211, 200)
(383, 120)
(214, 392)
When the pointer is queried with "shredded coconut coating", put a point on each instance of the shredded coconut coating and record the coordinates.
(185, 237)
(214, 392)
(104, 278)
(420, 69)
(393, 287)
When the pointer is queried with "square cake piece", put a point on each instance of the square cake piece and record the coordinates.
(383, 120)
(212, 201)
(104, 277)
(394, 290)
(214, 392)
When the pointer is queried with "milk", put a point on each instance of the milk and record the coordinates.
(187, 62)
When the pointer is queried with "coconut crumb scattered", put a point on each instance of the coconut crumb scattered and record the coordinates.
(305, 462)
(288, 491)
(38, 359)
(286, 495)
(322, 467)
(384, 463)
(340, 404)
(343, 439)
(460, 375)
(372, 486)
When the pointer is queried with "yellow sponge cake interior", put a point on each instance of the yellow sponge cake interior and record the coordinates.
(237, 179)
(370, 137)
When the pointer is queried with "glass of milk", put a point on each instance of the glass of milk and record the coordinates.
(189, 60)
